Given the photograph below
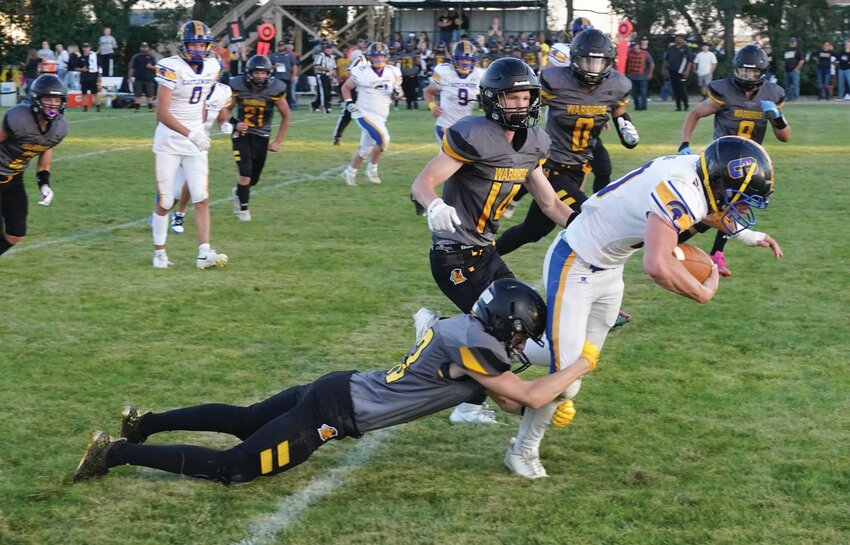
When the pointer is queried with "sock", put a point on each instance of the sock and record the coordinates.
(180, 214)
(533, 426)
(243, 192)
(203, 248)
(4, 244)
(159, 226)
(351, 170)
(373, 167)
(159, 252)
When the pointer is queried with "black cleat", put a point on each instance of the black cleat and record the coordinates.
(94, 463)
(131, 420)
(336, 140)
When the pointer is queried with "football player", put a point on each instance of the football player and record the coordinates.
(408, 62)
(741, 105)
(256, 95)
(377, 84)
(357, 56)
(580, 98)
(29, 130)
(457, 84)
(283, 431)
(649, 207)
(185, 81)
(483, 162)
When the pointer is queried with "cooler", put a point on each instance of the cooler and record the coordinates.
(8, 94)
(76, 100)
(47, 67)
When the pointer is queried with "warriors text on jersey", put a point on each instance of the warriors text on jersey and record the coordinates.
(739, 115)
(493, 172)
(191, 89)
(576, 116)
(374, 91)
(256, 106)
(24, 140)
(458, 94)
(613, 221)
(421, 384)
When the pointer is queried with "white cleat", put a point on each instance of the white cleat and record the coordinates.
(177, 224)
(210, 259)
(349, 177)
(524, 463)
(161, 262)
(372, 175)
(236, 206)
(468, 413)
(423, 319)
(244, 215)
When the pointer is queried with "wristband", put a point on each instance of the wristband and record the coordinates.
(779, 123)
(42, 177)
(432, 105)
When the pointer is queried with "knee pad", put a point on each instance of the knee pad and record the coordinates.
(365, 151)
(165, 200)
(572, 391)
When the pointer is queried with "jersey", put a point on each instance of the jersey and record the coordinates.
(576, 116)
(219, 100)
(492, 174)
(191, 89)
(374, 91)
(739, 115)
(458, 94)
(342, 67)
(408, 62)
(24, 140)
(612, 222)
(421, 385)
(531, 57)
(256, 106)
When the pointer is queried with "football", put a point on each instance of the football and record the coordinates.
(695, 260)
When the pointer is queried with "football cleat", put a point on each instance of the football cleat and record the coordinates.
(177, 224)
(94, 463)
(623, 318)
(349, 177)
(210, 259)
(244, 215)
(161, 261)
(372, 175)
(423, 320)
(720, 261)
(524, 463)
(469, 413)
(336, 140)
(131, 420)
(236, 206)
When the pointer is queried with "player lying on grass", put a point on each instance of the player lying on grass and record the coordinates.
(454, 360)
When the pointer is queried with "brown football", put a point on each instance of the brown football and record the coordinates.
(695, 260)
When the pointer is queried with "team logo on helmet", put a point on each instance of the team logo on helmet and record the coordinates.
(327, 432)
(378, 54)
(464, 57)
(192, 32)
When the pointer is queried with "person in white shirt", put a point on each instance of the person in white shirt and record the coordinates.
(186, 81)
(62, 58)
(457, 84)
(377, 84)
(106, 52)
(706, 63)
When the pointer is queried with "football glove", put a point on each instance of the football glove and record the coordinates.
(628, 131)
(351, 107)
(590, 352)
(564, 414)
(226, 127)
(200, 139)
(442, 217)
(685, 149)
(46, 195)
(770, 109)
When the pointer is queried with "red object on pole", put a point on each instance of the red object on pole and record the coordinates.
(624, 30)
(263, 48)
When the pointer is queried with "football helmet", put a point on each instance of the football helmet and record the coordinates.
(259, 63)
(504, 76)
(750, 65)
(592, 56)
(464, 57)
(559, 55)
(737, 176)
(509, 306)
(44, 86)
(579, 24)
(192, 32)
(378, 54)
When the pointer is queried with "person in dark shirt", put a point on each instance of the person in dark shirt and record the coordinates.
(31, 69)
(793, 60)
(678, 63)
(141, 73)
(844, 72)
(825, 58)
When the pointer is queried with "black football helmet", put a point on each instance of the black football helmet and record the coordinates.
(259, 63)
(592, 56)
(750, 65)
(509, 306)
(46, 86)
(504, 76)
(736, 171)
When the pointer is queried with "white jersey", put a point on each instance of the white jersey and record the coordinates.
(458, 94)
(191, 90)
(218, 100)
(374, 92)
(559, 55)
(613, 220)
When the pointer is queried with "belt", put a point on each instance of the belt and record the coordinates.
(449, 246)
(556, 167)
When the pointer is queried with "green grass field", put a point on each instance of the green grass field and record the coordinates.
(725, 423)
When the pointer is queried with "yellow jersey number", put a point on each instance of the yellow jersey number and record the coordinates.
(254, 116)
(491, 200)
(746, 128)
(581, 134)
(397, 372)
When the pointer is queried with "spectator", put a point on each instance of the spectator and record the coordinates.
(757, 40)
(463, 23)
(106, 52)
(45, 53)
(141, 73)
(706, 63)
(73, 77)
(639, 67)
(444, 24)
(62, 57)
(844, 72)
(771, 63)
(237, 57)
(224, 58)
(454, 27)
(678, 64)
(31, 70)
(286, 69)
(495, 29)
(424, 39)
(89, 74)
(794, 61)
(545, 48)
(825, 60)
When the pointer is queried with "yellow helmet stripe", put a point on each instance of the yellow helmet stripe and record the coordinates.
(704, 167)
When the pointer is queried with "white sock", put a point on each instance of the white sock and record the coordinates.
(373, 167)
(159, 227)
(159, 253)
(179, 214)
(533, 426)
(351, 170)
(203, 248)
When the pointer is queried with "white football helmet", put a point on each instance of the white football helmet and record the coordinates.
(559, 55)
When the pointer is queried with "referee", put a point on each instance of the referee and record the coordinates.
(324, 67)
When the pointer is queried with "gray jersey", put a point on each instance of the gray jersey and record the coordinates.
(420, 384)
(24, 139)
(492, 174)
(256, 106)
(577, 113)
(739, 115)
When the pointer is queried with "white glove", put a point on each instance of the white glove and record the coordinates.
(226, 127)
(442, 217)
(200, 139)
(46, 195)
(628, 131)
(351, 107)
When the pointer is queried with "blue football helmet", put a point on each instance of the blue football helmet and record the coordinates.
(464, 57)
(376, 51)
(194, 32)
(579, 24)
